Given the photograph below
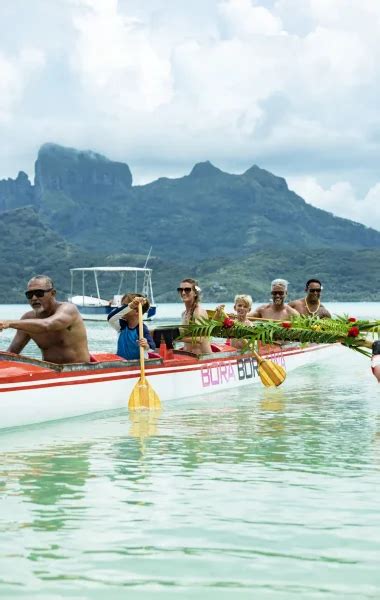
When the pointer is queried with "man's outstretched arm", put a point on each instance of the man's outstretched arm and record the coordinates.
(62, 318)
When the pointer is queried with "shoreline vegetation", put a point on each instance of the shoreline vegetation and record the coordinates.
(344, 280)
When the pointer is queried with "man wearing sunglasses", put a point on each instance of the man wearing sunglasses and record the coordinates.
(277, 309)
(310, 305)
(56, 327)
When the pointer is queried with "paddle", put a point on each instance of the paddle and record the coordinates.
(143, 395)
(271, 374)
(211, 314)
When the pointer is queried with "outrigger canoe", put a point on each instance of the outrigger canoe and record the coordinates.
(35, 391)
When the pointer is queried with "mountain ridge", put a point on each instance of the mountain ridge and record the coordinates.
(207, 217)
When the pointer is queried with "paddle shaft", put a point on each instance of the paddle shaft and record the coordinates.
(143, 395)
(142, 350)
(270, 373)
(223, 314)
(257, 356)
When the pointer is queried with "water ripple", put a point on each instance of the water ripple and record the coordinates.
(253, 493)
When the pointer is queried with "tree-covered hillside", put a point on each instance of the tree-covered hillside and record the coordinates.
(27, 247)
(234, 232)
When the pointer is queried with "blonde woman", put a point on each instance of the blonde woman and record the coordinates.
(190, 294)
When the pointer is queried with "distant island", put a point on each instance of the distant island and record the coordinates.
(235, 233)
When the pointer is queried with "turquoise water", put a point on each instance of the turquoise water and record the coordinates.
(254, 493)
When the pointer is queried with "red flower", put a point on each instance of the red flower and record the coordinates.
(352, 320)
(286, 324)
(353, 332)
(227, 323)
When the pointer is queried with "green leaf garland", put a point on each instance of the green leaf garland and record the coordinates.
(304, 329)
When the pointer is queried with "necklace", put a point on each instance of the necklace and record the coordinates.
(312, 312)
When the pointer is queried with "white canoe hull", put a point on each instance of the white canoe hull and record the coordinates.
(31, 393)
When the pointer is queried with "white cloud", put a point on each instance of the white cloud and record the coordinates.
(16, 73)
(243, 19)
(340, 199)
(292, 85)
(118, 64)
(343, 15)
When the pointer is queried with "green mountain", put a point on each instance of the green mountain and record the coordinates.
(16, 192)
(347, 275)
(233, 232)
(90, 201)
(27, 248)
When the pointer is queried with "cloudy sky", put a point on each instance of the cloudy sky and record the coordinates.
(290, 85)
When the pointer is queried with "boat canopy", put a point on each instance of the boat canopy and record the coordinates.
(120, 269)
(146, 286)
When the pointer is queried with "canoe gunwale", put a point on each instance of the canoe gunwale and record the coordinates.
(117, 363)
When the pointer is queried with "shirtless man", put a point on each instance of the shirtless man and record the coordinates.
(277, 309)
(311, 306)
(56, 327)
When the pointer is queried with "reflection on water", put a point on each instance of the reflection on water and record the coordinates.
(144, 423)
(254, 493)
(46, 480)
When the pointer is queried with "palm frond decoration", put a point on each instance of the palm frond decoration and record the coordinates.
(346, 330)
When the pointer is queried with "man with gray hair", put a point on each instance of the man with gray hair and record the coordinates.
(277, 309)
(56, 327)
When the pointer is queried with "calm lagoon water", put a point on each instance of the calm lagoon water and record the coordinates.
(259, 493)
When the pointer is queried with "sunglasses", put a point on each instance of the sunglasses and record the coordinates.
(187, 290)
(317, 290)
(37, 293)
(278, 293)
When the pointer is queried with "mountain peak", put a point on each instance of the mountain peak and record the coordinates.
(204, 169)
(79, 174)
(49, 149)
(266, 178)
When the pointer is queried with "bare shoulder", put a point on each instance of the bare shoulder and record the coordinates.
(260, 311)
(292, 312)
(295, 303)
(200, 312)
(28, 315)
(324, 313)
(264, 307)
(68, 309)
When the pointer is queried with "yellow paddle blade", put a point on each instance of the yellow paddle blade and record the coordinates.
(271, 374)
(143, 396)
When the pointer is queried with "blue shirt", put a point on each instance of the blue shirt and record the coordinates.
(127, 343)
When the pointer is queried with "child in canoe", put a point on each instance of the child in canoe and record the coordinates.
(125, 319)
(242, 306)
